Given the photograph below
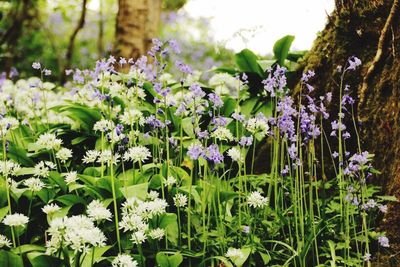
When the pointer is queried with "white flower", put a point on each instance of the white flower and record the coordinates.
(42, 169)
(157, 234)
(132, 116)
(64, 154)
(71, 177)
(124, 260)
(222, 133)
(7, 124)
(16, 219)
(48, 141)
(51, 208)
(9, 168)
(180, 200)
(258, 126)
(234, 254)
(153, 194)
(76, 232)
(103, 126)
(34, 184)
(132, 222)
(4, 241)
(235, 154)
(223, 83)
(91, 156)
(170, 181)
(138, 237)
(97, 212)
(107, 156)
(256, 200)
(136, 154)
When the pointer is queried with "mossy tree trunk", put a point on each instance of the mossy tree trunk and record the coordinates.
(370, 30)
(137, 23)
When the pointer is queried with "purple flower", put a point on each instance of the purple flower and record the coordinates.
(238, 116)
(195, 151)
(175, 46)
(216, 100)
(383, 241)
(219, 121)
(214, 155)
(367, 257)
(246, 141)
(292, 150)
(354, 62)
(335, 154)
(183, 67)
(154, 122)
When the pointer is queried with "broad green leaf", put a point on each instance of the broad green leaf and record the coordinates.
(241, 260)
(8, 259)
(282, 47)
(70, 200)
(163, 260)
(139, 191)
(28, 248)
(246, 60)
(41, 260)
(266, 63)
(169, 222)
(187, 126)
(3, 212)
(98, 253)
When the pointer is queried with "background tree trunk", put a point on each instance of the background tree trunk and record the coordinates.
(365, 28)
(137, 23)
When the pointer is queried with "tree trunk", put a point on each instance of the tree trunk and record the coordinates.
(137, 24)
(70, 48)
(368, 29)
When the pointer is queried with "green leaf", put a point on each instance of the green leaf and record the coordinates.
(163, 260)
(187, 126)
(282, 47)
(246, 60)
(241, 260)
(388, 198)
(70, 200)
(138, 190)
(28, 248)
(8, 259)
(265, 257)
(40, 260)
(229, 106)
(296, 55)
(169, 222)
(98, 253)
(3, 212)
(266, 63)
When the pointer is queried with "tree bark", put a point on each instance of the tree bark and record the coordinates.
(70, 49)
(137, 24)
(369, 30)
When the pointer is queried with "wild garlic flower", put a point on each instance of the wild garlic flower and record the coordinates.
(16, 219)
(132, 116)
(42, 169)
(64, 154)
(235, 154)
(71, 177)
(34, 184)
(124, 260)
(223, 134)
(77, 233)
(9, 168)
(180, 200)
(256, 200)
(170, 181)
(153, 195)
(258, 126)
(97, 212)
(91, 156)
(108, 157)
(4, 241)
(103, 126)
(137, 154)
(139, 237)
(234, 253)
(7, 124)
(48, 141)
(157, 234)
(51, 208)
